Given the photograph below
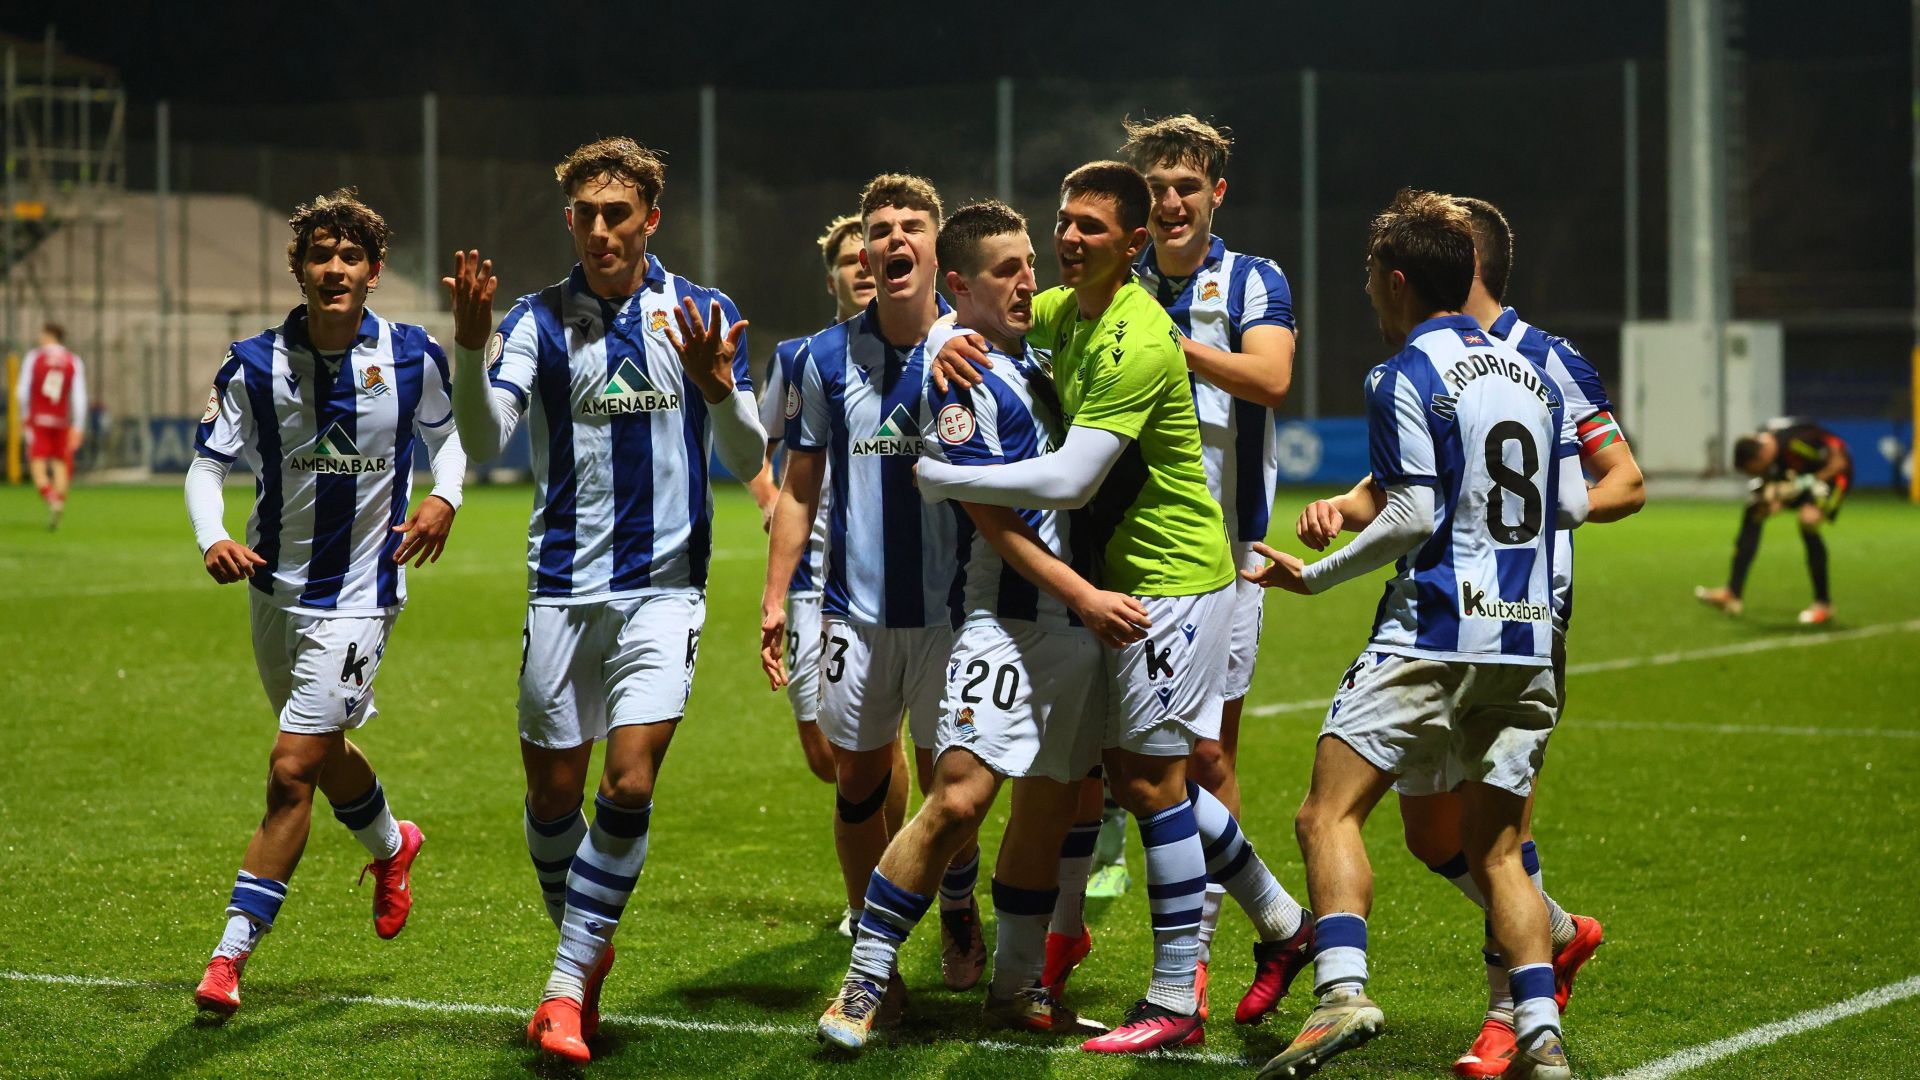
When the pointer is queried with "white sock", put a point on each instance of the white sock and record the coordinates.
(371, 822)
(1210, 919)
(1020, 937)
(1076, 863)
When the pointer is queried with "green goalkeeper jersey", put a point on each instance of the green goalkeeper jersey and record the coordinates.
(1156, 528)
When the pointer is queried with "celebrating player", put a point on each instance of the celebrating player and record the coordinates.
(1132, 458)
(325, 410)
(52, 394)
(1026, 687)
(1432, 817)
(1461, 687)
(1804, 466)
(625, 413)
(1235, 315)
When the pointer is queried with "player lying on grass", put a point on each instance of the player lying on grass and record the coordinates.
(630, 377)
(1470, 444)
(1431, 818)
(1025, 688)
(1804, 466)
(891, 601)
(52, 397)
(329, 411)
(850, 284)
(1132, 459)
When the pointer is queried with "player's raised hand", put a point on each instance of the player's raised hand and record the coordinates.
(959, 360)
(228, 562)
(471, 288)
(773, 644)
(426, 532)
(1319, 523)
(1282, 572)
(707, 348)
(1116, 620)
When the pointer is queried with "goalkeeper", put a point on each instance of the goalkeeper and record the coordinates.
(1803, 466)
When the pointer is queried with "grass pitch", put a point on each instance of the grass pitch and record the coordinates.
(1739, 810)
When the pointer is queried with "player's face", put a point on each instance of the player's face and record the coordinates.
(1092, 247)
(850, 282)
(999, 298)
(1769, 449)
(1382, 292)
(899, 251)
(337, 275)
(1183, 205)
(610, 224)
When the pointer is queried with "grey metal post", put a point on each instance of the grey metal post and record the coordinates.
(8, 296)
(429, 190)
(1003, 142)
(184, 207)
(162, 297)
(1631, 105)
(1308, 297)
(1698, 278)
(709, 189)
(266, 227)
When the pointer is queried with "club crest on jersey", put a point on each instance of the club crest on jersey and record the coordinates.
(964, 721)
(1475, 605)
(955, 424)
(657, 322)
(898, 436)
(334, 453)
(629, 391)
(1209, 291)
(373, 383)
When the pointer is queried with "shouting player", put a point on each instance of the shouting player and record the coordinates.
(52, 393)
(327, 411)
(1432, 817)
(1132, 459)
(1026, 686)
(1469, 443)
(1235, 315)
(1804, 466)
(891, 602)
(625, 413)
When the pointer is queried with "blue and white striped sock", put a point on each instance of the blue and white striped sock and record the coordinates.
(1233, 864)
(1176, 886)
(254, 905)
(371, 823)
(602, 877)
(1019, 937)
(552, 844)
(890, 914)
(1076, 863)
(1339, 952)
(1534, 1010)
(956, 885)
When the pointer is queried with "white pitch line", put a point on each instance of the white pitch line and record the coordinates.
(1626, 663)
(1706, 1053)
(1748, 729)
(710, 1027)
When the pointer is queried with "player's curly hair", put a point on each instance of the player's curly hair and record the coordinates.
(958, 248)
(1428, 237)
(1177, 140)
(344, 217)
(620, 158)
(837, 232)
(1492, 241)
(1117, 182)
(901, 190)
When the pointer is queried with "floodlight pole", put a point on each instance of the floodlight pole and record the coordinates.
(9, 296)
(162, 299)
(1308, 298)
(1913, 416)
(429, 191)
(1003, 142)
(1630, 104)
(709, 187)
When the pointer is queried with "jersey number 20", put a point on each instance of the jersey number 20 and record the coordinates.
(1519, 484)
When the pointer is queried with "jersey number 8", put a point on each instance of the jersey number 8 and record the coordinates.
(1518, 484)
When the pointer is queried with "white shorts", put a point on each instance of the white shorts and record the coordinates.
(1438, 723)
(318, 669)
(1164, 692)
(1249, 616)
(803, 656)
(587, 668)
(1026, 701)
(872, 674)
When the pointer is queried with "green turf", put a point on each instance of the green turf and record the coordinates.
(1744, 876)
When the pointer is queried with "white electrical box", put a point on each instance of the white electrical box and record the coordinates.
(1684, 401)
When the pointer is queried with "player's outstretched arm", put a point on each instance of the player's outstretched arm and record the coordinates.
(1116, 619)
(707, 348)
(225, 560)
(1351, 511)
(1403, 524)
(485, 414)
(1261, 372)
(1063, 480)
(793, 518)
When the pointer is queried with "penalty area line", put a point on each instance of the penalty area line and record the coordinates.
(1707, 1053)
(669, 1023)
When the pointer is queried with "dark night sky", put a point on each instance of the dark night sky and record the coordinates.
(270, 52)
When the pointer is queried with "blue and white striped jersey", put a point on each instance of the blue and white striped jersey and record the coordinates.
(1013, 415)
(1465, 414)
(1588, 409)
(620, 438)
(892, 559)
(1230, 294)
(778, 404)
(331, 441)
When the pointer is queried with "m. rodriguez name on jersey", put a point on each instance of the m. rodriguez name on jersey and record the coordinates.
(1476, 364)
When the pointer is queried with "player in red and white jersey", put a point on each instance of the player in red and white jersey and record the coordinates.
(53, 405)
